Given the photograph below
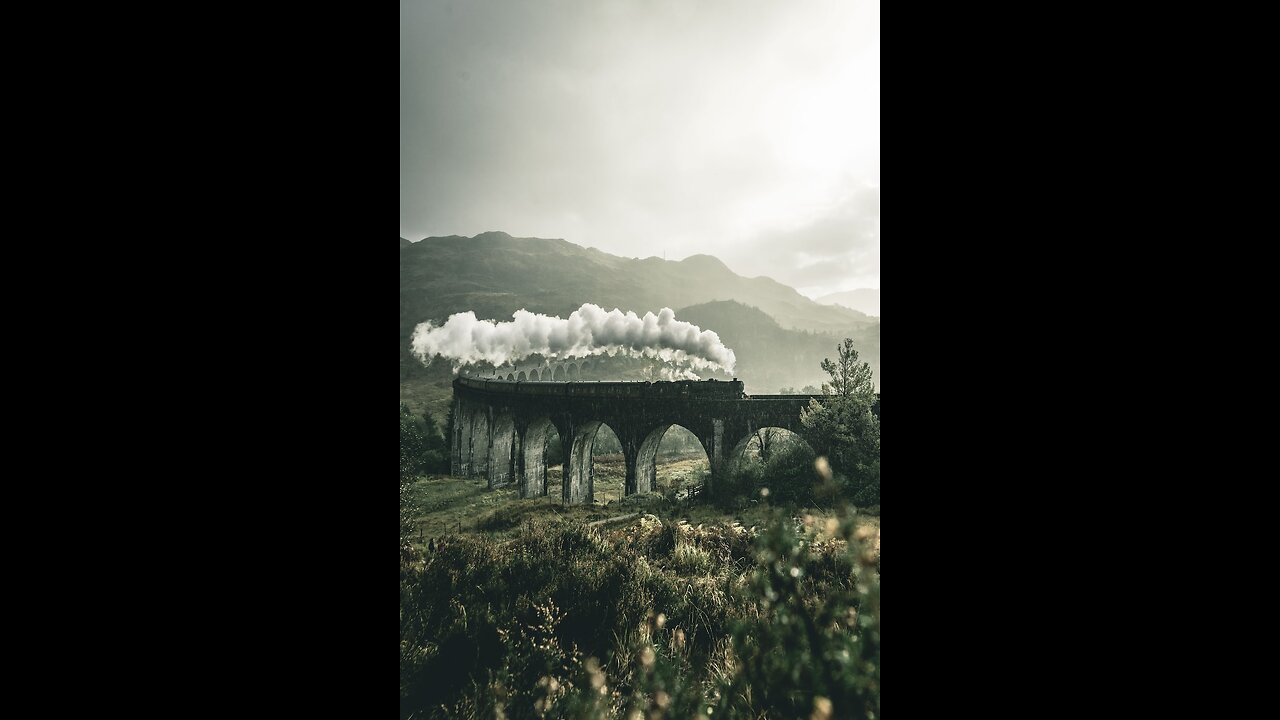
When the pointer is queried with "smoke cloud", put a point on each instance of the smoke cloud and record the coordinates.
(587, 331)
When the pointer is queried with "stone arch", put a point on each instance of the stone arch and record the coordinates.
(740, 450)
(580, 480)
(534, 480)
(573, 371)
(647, 458)
(584, 369)
(522, 377)
(502, 450)
(510, 376)
(558, 375)
(478, 443)
(534, 375)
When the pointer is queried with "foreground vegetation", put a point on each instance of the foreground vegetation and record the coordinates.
(760, 601)
(656, 617)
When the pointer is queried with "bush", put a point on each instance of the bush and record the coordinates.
(422, 447)
(788, 474)
(689, 559)
(815, 645)
(862, 487)
(743, 479)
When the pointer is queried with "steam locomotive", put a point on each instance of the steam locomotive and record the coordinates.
(718, 389)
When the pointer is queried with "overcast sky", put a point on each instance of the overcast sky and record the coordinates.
(743, 129)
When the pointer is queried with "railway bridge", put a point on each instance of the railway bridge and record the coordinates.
(501, 427)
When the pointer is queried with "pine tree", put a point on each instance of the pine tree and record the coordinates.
(843, 425)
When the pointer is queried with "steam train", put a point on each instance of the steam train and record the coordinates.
(717, 389)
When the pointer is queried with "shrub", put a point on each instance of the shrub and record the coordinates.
(689, 559)
(422, 447)
(815, 643)
(788, 474)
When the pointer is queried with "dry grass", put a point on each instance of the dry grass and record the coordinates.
(450, 505)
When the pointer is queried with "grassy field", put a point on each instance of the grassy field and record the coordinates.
(447, 504)
(452, 505)
(522, 609)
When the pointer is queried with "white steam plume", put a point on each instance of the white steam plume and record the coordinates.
(589, 330)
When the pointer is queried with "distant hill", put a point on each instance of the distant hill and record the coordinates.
(864, 300)
(771, 357)
(495, 274)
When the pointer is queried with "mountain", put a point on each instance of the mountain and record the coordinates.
(495, 274)
(864, 300)
(771, 357)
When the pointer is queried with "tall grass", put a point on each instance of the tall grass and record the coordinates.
(655, 618)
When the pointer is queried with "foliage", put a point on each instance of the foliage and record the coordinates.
(422, 450)
(407, 511)
(678, 440)
(655, 619)
(554, 453)
(850, 379)
(843, 426)
(767, 440)
(814, 646)
(787, 477)
(422, 447)
(607, 442)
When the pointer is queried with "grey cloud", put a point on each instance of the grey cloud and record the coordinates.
(639, 126)
(838, 250)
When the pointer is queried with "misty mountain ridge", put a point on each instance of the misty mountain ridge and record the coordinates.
(443, 275)
(770, 356)
(866, 300)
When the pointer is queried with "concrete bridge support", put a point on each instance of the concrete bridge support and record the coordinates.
(501, 429)
(533, 457)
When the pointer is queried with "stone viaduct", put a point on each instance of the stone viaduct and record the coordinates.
(501, 427)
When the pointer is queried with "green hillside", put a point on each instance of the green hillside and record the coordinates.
(495, 274)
